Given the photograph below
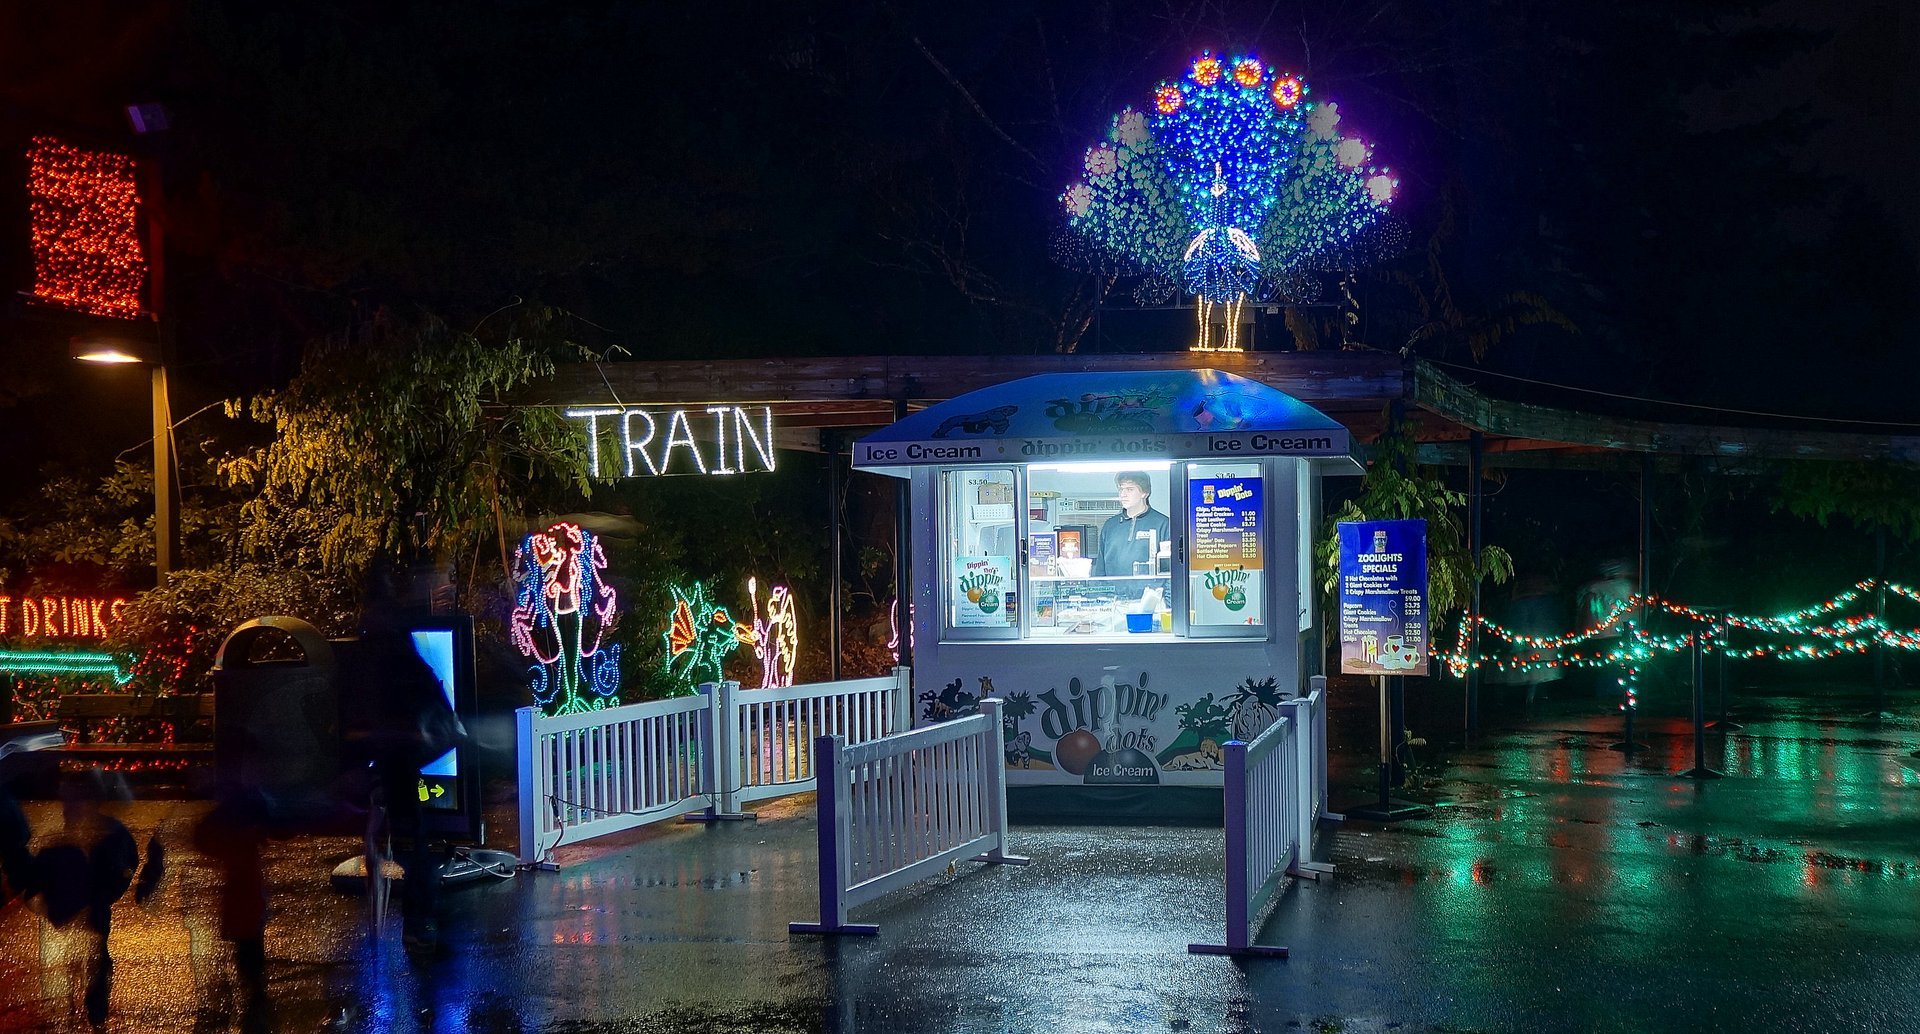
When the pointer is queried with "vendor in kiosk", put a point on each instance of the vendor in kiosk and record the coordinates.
(1127, 641)
(1130, 540)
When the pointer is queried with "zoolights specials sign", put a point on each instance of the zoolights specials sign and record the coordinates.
(1383, 597)
(717, 439)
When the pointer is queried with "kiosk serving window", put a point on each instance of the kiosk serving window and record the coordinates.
(1100, 550)
(1110, 550)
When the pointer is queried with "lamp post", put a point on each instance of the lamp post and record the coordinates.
(118, 351)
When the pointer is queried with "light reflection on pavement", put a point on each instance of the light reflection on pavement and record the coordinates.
(1558, 886)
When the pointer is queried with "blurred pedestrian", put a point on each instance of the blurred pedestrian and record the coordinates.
(1535, 612)
(87, 867)
(1602, 604)
(397, 717)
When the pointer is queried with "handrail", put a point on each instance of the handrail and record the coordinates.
(599, 772)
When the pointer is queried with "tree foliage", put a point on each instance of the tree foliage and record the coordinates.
(397, 441)
(1881, 495)
(1395, 488)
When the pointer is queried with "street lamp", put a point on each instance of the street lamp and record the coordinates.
(129, 351)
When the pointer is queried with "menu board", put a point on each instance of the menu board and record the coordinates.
(981, 585)
(1383, 597)
(1227, 524)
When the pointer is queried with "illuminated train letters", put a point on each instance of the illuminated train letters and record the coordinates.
(736, 439)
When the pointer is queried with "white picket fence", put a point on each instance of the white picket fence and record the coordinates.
(588, 775)
(1276, 794)
(901, 808)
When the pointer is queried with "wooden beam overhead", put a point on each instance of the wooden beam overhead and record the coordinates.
(1353, 387)
(1312, 377)
(1441, 394)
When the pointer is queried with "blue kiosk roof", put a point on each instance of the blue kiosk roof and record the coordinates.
(1055, 417)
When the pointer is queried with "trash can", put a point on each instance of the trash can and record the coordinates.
(277, 720)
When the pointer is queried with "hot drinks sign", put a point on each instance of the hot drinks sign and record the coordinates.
(59, 617)
(1383, 597)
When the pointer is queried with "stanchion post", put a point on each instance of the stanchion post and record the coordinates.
(1721, 629)
(532, 780)
(836, 860)
(997, 788)
(1699, 769)
(1386, 745)
(1304, 802)
(1397, 695)
(1386, 809)
(722, 765)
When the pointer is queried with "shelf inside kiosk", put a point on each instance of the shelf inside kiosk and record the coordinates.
(1080, 607)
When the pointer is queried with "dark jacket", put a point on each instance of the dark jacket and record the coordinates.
(1121, 544)
(392, 708)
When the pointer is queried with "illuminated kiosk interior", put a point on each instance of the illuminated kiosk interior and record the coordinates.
(1123, 559)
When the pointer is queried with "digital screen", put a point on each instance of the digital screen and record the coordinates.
(439, 782)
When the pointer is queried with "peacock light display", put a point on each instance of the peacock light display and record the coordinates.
(1233, 186)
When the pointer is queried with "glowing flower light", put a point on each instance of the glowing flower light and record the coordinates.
(1168, 99)
(1101, 161)
(1248, 72)
(1206, 71)
(1288, 91)
(1077, 198)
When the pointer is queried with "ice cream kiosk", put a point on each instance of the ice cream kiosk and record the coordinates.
(1123, 560)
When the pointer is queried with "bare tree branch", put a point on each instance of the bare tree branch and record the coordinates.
(978, 110)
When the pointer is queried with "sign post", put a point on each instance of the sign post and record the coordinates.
(1383, 633)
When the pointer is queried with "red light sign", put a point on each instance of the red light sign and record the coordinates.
(85, 206)
(60, 617)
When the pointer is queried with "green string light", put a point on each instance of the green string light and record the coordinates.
(1820, 631)
(47, 662)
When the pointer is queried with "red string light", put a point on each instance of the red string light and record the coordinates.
(85, 207)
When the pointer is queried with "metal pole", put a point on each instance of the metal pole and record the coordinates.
(1646, 533)
(1476, 499)
(903, 554)
(835, 605)
(1699, 769)
(1721, 629)
(162, 478)
(1879, 611)
(1386, 746)
(1398, 697)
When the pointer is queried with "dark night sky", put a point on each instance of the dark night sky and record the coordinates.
(1719, 196)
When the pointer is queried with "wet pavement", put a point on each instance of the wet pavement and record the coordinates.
(1558, 885)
